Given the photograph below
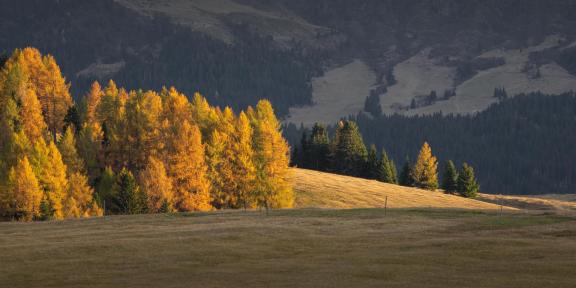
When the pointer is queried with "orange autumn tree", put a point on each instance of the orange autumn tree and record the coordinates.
(24, 196)
(424, 173)
(32, 94)
(157, 186)
(271, 158)
(182, 155)
(50, 86)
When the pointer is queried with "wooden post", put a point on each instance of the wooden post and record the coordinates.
(386, 206)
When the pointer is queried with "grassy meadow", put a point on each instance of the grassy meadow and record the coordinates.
(340, 236)
(294, 248)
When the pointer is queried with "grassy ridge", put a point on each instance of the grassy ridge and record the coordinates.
(324, 190)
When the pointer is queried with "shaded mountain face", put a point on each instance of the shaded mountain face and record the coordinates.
(412, 56)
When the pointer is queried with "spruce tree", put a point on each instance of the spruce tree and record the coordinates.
(319, 148)
(450, 177)
(406, 174)
(107, 191)
(304, 152)
(467, 184)
(348, 150)
(130, 199)
(425, 173)
(372, 164)
(386, 171)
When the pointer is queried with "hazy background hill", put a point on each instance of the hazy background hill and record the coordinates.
(320, 60)
(332, 53)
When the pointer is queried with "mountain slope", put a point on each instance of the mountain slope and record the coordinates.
(324, 190)
(236, 51)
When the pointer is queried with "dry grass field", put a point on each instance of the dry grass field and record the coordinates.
(323, 190)
(294, 248)
(426, 239)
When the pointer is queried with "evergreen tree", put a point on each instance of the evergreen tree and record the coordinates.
(348, 150)
(305, 153)
(406, 174)
(107, 191)
(372, 105)
(319, 148)
(450, 177)
(425, 173)
(467, 184)
(130, 199)
(372, 163)
(386, 170)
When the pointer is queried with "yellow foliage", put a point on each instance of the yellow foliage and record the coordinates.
(157, 186)
(425, 173)
(24, 191)
(93, 99)
(79, 202)
(273, 188)
(187, 168)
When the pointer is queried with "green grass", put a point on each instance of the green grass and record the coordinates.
(294, 248)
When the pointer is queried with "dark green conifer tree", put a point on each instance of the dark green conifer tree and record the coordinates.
(372, 163)
(467, 184)
(406, 174)
(319, 145)
(130, 198)
(387, 172)
(348, 150)
(450, 177)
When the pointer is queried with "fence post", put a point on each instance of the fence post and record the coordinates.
(386, 206)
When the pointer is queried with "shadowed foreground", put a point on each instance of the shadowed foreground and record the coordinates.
(293, 248)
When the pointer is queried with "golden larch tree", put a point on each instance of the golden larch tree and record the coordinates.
(245, 171)
(92, 100)
(79, 202)
(187, 169)
(273, 188)
(425, 174)
(25, 193)
(51, 88)
(67, 148)
(157, 186)
(51, 173)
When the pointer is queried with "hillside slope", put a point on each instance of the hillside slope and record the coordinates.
(324, 190)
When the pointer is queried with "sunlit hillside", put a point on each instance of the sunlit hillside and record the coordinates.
(324, 190)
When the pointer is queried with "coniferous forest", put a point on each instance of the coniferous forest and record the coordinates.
(129, 152)
(522, 145)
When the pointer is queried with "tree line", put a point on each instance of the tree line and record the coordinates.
(521, 145)
(129, 152)
(347, 154)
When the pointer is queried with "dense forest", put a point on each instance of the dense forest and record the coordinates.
(149, 53)
(121, 151)
(523, 145)
(347, 154)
